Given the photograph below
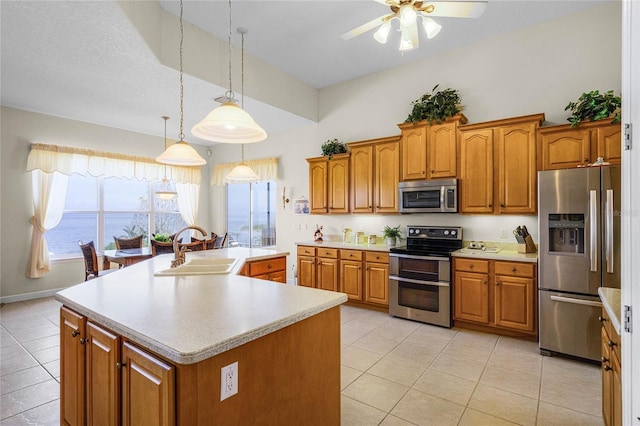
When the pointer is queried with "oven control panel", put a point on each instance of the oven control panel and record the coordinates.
(436, 232)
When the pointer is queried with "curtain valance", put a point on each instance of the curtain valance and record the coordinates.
(265, 168)
(68, 160)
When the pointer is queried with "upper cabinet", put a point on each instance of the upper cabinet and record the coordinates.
(563, 147)
(375, 172)
(329, 184)
(430, 151)
(498, 166)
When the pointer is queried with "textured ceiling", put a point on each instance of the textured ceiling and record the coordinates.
(85, 60)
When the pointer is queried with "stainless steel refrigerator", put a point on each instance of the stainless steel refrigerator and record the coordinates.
(579, 251)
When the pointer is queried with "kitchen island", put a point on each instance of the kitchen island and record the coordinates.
(144, 349)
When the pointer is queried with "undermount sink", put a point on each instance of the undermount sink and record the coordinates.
(482, 250)
(201, 266)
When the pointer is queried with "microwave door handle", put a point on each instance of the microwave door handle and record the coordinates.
(593, 212)
(442, 198)
(609, 230)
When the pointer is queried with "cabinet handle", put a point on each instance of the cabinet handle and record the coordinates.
(611, 344)
(269, 266)
(83, 341)
(502, 205)
(74, 333)
(432, 171)
(490, 205)
(369, 206)
(603, 359)
(121, 364)
(601, 319)
(586, 160)
(423, 172)
(513, 269)
(606, 367)
(470, 266)
(497, 282)
(484, 282)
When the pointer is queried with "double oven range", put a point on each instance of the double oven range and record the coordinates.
(420, 274)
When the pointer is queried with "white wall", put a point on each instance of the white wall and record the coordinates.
(19, 130)
(539, 69)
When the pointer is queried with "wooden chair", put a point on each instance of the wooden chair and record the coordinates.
(161, 247)
(220, 241)
(193, 246)
(90, 261)
(208, 244)
(128, 243)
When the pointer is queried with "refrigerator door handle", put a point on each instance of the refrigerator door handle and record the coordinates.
(609, 230)
(576, 301)
(593, 212)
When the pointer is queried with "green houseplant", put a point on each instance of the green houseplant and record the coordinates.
(391, 234)
(332, 147)
(162, 238)
(436, 106)
(594, 106)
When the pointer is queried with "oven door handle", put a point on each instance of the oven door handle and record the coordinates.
(420, 282)
(411, 256)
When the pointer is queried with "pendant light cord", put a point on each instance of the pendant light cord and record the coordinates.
(230, 92)
(181, 135)
(165, 118)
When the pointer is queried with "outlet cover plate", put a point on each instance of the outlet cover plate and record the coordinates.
(228, 381)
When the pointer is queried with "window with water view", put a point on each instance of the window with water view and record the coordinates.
(251, 214)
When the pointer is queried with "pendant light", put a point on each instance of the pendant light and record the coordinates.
(229, 123)
(180, 153)
(165, 191)
(242, 173)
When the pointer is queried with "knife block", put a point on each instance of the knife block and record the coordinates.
(528, 246)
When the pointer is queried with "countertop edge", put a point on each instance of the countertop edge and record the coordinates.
(611, 302)
(345, 246)
(509, 255)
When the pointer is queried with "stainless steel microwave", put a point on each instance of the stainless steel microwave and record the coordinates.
(429, 196)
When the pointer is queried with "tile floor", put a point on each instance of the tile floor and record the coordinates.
(394, 372)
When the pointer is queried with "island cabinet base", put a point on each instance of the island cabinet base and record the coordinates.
(288, 377)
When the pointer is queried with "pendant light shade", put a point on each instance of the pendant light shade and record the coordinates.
(165, 191)
(229, 124)
(242, 174)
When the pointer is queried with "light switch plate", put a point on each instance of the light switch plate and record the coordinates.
(228, 381)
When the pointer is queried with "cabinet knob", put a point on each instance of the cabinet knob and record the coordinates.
(121, 364)
(586, 160)
(369, 206)
(498, 283)
(74, 333)
(470, 266)
(423, 172)
(490, 205)
(603, 359)
(611, 344)
(606, 367)
(513, 269)
(269, 266)
(601, 319)
(502, 205)
(83, 341)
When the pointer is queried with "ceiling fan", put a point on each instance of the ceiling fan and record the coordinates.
(407, 12)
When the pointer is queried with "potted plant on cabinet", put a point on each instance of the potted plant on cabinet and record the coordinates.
(436, 106)
(594, 106)
(391, 234)
(332, 147)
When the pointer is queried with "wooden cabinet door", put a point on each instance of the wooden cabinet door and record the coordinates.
(441, 145)
(607, 380)
(148, 389)
(514, 304)
(72, 368)
(338, 183)
(307, 271)
(609, 143)
(517, 169)
(471, 297)
(103, 376)
(351, 279)
(318, 185)
(377, 283)
(362, 179)
(414, 152)
(476, 171)
(616, 389)
(278, 277)
(327, 273)
(386, 176)
(564, 148)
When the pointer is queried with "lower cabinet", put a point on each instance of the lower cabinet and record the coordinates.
(496, 295)
(108, 380)
(611, 374)
(376, 281)
(274, 269)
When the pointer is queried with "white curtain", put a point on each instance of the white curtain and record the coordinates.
(49, 193)
(188, 200)
(265, 168)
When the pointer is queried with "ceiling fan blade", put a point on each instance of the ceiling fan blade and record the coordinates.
(382, 2)
(362, 28)
(454, 9)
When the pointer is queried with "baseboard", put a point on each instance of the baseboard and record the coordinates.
(29, 296)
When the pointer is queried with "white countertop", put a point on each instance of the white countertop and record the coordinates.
(503, 254)
(191, 318)
(349, 246)
(611, 302)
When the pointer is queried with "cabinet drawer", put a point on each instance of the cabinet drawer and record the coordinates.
(377, 256)
(266, 266)
(471, 265)
(516, 269)
(351, 254)
(306, 251)
(327, 252)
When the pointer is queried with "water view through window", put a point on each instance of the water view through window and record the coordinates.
(251, 214)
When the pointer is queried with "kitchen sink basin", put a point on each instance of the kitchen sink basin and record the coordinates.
(201, 266)
(482, 250)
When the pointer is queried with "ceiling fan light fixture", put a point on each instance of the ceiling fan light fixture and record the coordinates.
(431, 27)
(383, 33)
(405, 41)
(407, 15)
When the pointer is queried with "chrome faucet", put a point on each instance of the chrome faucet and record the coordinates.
(180, 252)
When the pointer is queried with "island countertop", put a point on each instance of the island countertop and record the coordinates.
(188, 319)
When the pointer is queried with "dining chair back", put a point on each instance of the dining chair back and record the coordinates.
(220, 241)
(161, 247)
(128, 243)
(193, 246)
(208, 244)
(90, 261)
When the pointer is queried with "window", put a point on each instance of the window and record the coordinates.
(251, 214)
(97, 209)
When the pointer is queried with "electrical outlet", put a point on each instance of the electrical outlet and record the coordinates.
(503, 233)
(228, 381)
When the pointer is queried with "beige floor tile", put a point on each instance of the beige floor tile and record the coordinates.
(376, 343)
(376, 392)
(423, 409)
(418, 354)
(37, 333)
(505, 405)
(458, 366)
(468, 350)
(587, 399)
(511, 381)
(397, 370)
(571, 371)
(431, 336)
(552, 415)
(516, 360)
(20, 361)
(6, 339)
(348, 336)
(47, 355)
(359, 327)
(446, 386)
(347, 376)
(44, 343)
(522, 345)
(23, 379)
(395, 421)
(29, 397)
(359, 359)
(355, 413)
(16, 310)
(53, 368)
(46, 415)
(398, 327)
(476, 338)
(472, 417)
